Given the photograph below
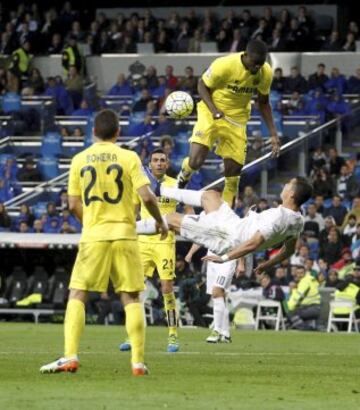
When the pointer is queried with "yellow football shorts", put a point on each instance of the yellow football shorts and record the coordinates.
(96, 262)
(160, 256)
(230, 139)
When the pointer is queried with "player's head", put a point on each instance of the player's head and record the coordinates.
(298, 190)
(158, 163)
(255, 55)
(106, 125)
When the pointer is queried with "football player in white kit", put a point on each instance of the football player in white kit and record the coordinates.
(227, 235)
(218, 280)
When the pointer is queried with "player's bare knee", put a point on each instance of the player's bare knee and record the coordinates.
(78, 294)
(129, 297)
(217, 292)
(195, 163)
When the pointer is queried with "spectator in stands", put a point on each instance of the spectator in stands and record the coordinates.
(353, 83)
(333, 43)
(29, 172)
(189, 81)
(171, 80)
(355, 243)
(330, 251)
(20, 62)
(247, 23)
(332, 279)
(151, 78)
(318, 160)
(55, 89)
(122, 87)
(141, 128)
(38, 226)
(164, 126)
(36, 81)
(223, 41)
(317, 105)
(78, 132)
(6, 193)
(162, 43)
(238, 43)
(271, 288)
(56, 45)
(319, 202)
(75, 86)
(335, 162)
(25, 215)
(63, 200)
(349, 44)
(296, 37)
(5, 220)
(262, 205)
(314, 222)
(336, 82)
(51, 209)
(319, 78)
(250, 197)
(239, 207)
(261, 30)
(355, 210)
(336, 210)
(347, 184)
(349, 229)
(24, 228)
(295, 103)
(52, 225)
(338, 106)
(69, 219)
(276, 41)
(71, 57)
(83, 111)
(304, 302)
(280, 277)
(182, 38)
(324, 234)
(300, 256)
(279, 81)
(140, 105)
(304, 19)
(195, 42)
(9, 170)
(295, 82)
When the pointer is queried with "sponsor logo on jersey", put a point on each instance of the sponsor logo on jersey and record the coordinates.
(241, 90)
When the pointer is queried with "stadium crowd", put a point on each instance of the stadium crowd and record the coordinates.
(48, 31)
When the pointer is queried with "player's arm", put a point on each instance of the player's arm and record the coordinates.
(266, 113)
(194, 248)
(76, 207)
(246, 247)
(150, 202)
(286, 251)
(205, 95)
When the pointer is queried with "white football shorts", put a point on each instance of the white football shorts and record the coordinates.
(219, 274)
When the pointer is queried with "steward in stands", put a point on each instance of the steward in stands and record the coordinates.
(304, 302)
(20, 64)
(71, 56)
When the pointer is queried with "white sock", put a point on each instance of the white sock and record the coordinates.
(186, 196)
(225, 326)
(218, 308)
(146, 227)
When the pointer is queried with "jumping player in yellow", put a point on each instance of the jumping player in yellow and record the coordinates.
(101, 185)
(158, 254)
(226, 89)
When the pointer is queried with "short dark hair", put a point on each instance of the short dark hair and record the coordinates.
(303, 190)
(257, 47)
(321, 65)
(157, 151)
(106, 124)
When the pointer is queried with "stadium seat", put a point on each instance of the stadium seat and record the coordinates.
(11, 103)
(51, 144)
(266, 316)
(38, 282)
(48, 167)
(59, 287)
(16, 285)
(350, 319)
(208, 47)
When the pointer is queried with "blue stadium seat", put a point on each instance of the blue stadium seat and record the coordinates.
(11, 102)
(39, 209)
(181, 147)
(48, 167)
(51, 144)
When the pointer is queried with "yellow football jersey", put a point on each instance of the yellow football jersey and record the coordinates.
(166, 206)
(232, 86)
(105, 176)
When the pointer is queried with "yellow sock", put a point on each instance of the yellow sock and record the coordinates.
(186, 170)
(230, 190)
(136, 331)
(73, 326)
(170, 308)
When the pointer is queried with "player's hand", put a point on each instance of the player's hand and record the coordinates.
(212, 258)
(261, 268)
(218, 114)
(275, 146)
(163, 230)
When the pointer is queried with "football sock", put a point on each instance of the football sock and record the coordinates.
(73, 326)
(170, 309)
(136, 331)
(230, 190)
(225, 326)
(186, 196)
(218, 309)
(146, 227)
(186, 170)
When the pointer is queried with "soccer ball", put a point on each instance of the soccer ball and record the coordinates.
(179, 105)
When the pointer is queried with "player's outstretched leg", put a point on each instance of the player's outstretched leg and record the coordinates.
(73, 328)
(192, 163)
(232, 179)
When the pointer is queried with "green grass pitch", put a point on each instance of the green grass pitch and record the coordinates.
(259, 370)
